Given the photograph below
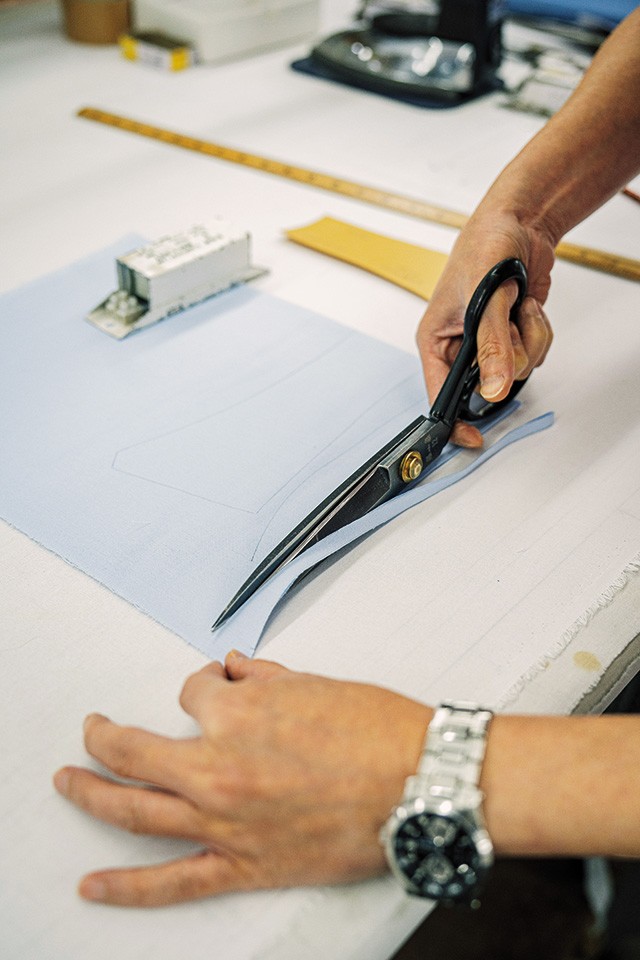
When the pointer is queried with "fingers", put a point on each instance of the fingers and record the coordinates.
(239, 667)
(190, 878)
(535, 333)
(135, 809)
(466, 435)
(498, 349)
(138, 754)
(202, 690)
(506, 352)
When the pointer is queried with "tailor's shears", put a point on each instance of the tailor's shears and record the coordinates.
(400, 463)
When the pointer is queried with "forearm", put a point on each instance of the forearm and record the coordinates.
(581, 157)
(563, 786)
(588, 151)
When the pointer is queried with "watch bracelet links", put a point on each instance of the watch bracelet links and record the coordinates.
(452, 753)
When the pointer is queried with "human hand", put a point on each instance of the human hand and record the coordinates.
(505, 351)
(288, 783)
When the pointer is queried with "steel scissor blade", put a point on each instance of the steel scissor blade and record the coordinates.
(393, 468)
(372, 484)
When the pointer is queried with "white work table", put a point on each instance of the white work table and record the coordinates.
(498, 589)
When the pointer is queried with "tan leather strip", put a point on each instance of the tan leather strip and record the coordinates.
(414, 268)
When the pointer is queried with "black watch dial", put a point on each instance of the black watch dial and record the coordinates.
(439, 856)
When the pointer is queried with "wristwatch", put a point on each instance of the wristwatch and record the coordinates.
(435, 840)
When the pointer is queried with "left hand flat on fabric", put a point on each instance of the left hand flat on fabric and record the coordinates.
(288, 783)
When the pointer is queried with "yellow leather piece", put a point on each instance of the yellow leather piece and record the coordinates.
(414, 268)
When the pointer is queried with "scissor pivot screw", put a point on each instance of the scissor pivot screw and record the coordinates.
(411, 466)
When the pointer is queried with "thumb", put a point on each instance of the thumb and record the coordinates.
(495, 345)
(241, 667)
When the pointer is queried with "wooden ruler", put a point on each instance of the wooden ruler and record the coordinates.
(585, 256)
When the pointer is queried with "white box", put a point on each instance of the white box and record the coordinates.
(172, 273)
(225, 29)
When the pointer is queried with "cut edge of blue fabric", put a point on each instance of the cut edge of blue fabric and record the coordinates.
(251, 620)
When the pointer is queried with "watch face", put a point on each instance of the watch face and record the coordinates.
(441, 857)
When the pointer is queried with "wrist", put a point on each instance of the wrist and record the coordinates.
(435, 839)
(520, 207)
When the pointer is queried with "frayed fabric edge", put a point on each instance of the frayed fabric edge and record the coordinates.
(602, 602)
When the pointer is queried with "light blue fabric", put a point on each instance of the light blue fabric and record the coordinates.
(166, 465)
(605, 13)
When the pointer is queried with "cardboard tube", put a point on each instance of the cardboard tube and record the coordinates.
(95, 21)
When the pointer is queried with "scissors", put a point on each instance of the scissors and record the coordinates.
(400, 463)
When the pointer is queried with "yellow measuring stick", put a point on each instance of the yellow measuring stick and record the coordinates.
(585, 256)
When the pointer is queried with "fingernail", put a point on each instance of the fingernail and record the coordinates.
(61, 781)
(91, 888)
(237, 654)
(91, 717)
(491, 386)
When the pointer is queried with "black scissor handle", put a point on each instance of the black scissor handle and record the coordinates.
(452, 402)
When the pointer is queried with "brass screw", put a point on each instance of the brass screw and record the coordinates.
(411, 466)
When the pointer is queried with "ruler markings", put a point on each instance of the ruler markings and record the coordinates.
(611, 263)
